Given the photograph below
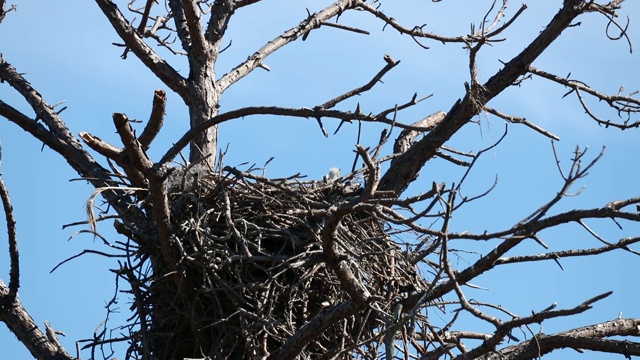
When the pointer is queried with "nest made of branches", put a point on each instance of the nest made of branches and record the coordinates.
(252, 268)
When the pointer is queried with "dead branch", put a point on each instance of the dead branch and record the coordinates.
(308, 113)
(296, 343)
(621, 244)
(407, 166)
(591, 337)
(55, 135)
(157, 190)
(3, 11)
(101, 147)
(621, 104)
(520, 120)
(199, 46)
(156, 119)
(345, 27)
(221, 13)
(405, 140)
(168, 75)
(180, 23)
(504, 329)
(14, 256)
(131, 144)
(21, 324)
(145, 16)
(359, 90)
(227, 263)
(416, 32)
(289, 36)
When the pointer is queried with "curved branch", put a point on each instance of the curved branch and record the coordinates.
(314, 113)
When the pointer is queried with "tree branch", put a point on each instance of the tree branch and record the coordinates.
(221, 13)
(156, 119)
(407, 136)
(199, 46)
(314, 113)
(57, 137)
(505, 328)
(622, 104)
(359, 90)
(145, 16)
(14, 256)
(296, 343)
(521, 120)
(132, 146)
(416, 31)
(621, 244)
(132, 39)
(407, 166)
(289, 36)
(101, 147)
(24, 328)
(181, 24)
(589, 338)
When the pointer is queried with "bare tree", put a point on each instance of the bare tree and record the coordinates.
(225, 262)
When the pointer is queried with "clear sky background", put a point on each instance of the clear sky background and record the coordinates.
(65, 50)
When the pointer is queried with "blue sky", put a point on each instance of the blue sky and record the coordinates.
(64, 48)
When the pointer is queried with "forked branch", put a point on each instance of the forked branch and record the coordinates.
(407, 166)
(146, 54)
(22, 325)
(624, 105)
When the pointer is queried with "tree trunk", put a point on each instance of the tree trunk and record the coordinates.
(203, 105)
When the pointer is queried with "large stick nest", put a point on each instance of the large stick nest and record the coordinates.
(251, 268)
